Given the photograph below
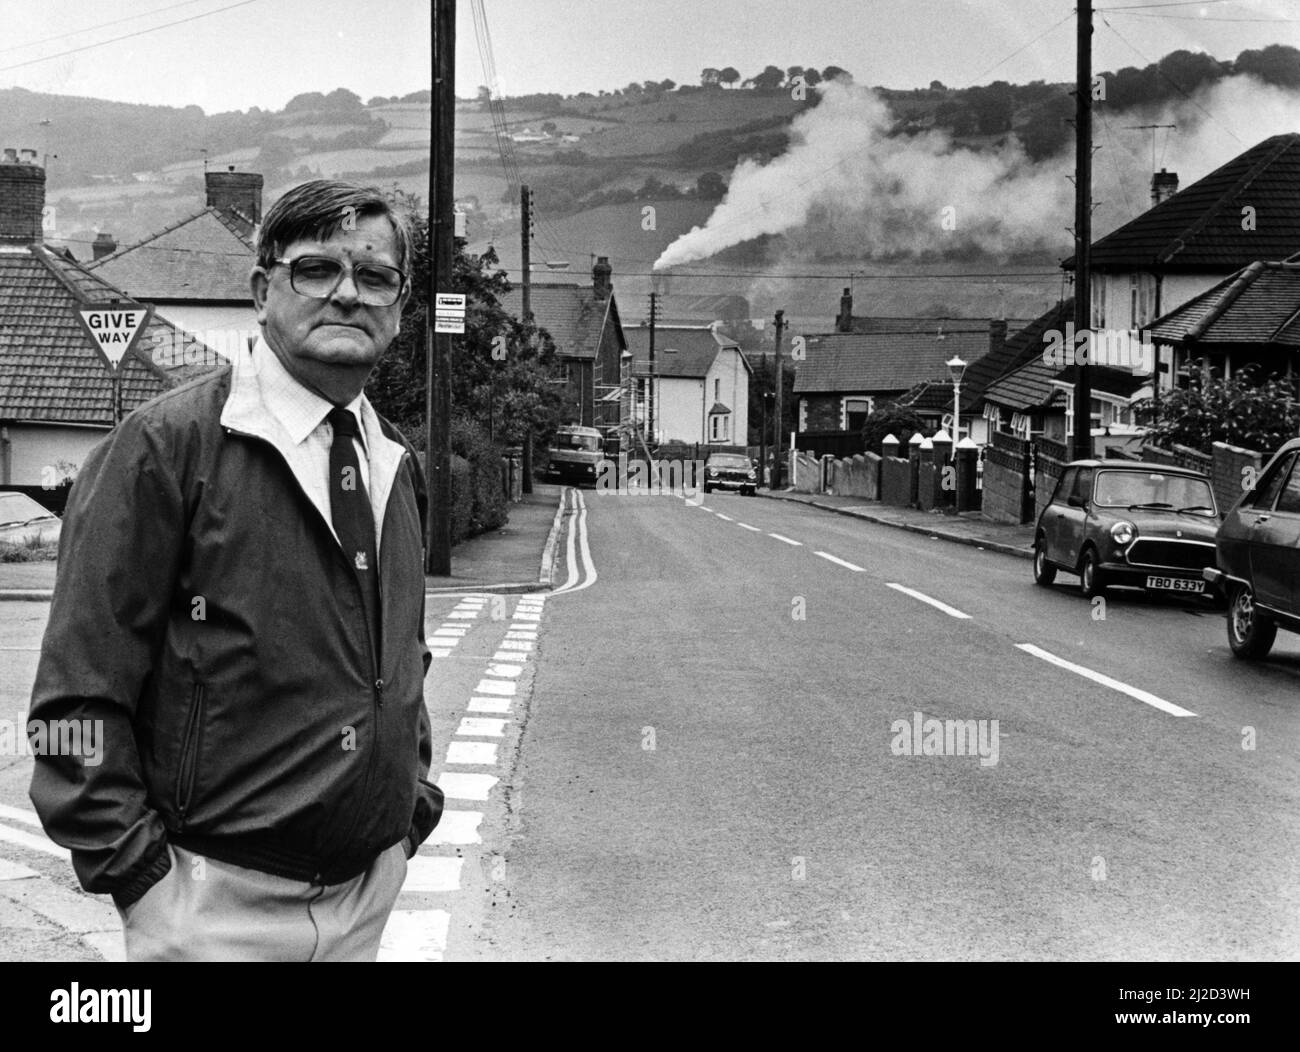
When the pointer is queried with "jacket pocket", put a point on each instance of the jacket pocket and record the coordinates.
(187, 769)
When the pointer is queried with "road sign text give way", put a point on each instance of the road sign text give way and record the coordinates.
(114, 329)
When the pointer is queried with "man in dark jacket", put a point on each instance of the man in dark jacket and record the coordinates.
(240, 610)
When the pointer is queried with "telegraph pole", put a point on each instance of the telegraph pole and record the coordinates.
(437, 400)
(650, 394)
(525, 245)
(1082, 443)
(776, 446)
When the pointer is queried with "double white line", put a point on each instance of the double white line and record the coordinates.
(584, 575)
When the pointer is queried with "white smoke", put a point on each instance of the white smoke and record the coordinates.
(846, 187)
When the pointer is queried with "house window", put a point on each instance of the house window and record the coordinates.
(719, 427)
(803, 414)
(717, 390)
(1142, 299)
(854, 413)
(1098, 290)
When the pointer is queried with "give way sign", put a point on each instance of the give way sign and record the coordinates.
(114, 328)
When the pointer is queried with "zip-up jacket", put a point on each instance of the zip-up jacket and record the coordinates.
(205, 616)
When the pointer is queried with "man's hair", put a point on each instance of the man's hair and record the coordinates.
(318, 210)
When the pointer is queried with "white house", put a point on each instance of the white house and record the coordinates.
(698, 387)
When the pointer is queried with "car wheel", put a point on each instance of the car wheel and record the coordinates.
(751, 492)
(1250, 631)
(1044, 572)
(1091, 581)
(707, 489)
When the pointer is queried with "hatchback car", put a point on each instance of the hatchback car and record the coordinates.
(1258, 563)
(1126, 522)
(730, 471)
(23, 521)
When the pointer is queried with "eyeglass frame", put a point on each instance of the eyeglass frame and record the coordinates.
(344, 270)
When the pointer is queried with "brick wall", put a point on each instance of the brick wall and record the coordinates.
(1005, 471)
(927, 487)
(823, 412)
(1233, 472)
(1049, 460)
(22, 200)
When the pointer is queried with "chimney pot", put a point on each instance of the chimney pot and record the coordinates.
(22, 198)
(1164, 184)
(600, 277)
(27, 156)
(104, 245)
(11, 155)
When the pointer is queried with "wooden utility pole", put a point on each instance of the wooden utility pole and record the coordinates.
(1082, 444)
(525, 247)
(780, 377)
(442, 231)
(650, 393)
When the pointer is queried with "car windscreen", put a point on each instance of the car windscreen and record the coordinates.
(720, 461)
(588, 443)
(1123, 489)
(18, 507)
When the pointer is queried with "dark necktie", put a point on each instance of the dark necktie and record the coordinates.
(350, 510)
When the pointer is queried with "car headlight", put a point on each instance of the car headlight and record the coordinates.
(752, 474)
(1123, 532)
(713, 473)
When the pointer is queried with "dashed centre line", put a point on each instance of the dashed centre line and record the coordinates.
(787, 540)
(951, 611)
(840, 562)
(747, 526)
(1106, 681)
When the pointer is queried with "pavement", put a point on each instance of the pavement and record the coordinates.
(516, 558)
(966, 528)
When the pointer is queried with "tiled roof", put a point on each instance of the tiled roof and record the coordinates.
(1031, 386)
(205, 257)
(1020, 347)
(884, 362)
(1260, 304)
(570, 313)
(880, 323)
(49, 371)
(1203, 227)
(680, 351)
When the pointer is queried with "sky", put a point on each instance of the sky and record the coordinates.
(235, 54)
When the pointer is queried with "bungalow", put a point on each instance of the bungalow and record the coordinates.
(698, 389)
(56, 393)
(196, 271)
(589, 342)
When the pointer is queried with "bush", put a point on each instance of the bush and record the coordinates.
(482, 500)
(891, 419)
(27, 552)
(1241, 412)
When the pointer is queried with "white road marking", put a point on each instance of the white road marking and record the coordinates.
(489, 705)
(432, 873)
(505, 671)
(951, 611)
(522, 633)
(463, 615)
(517, 644)
(472, 754)
(1106, 681)
(457, 827)
(34, 843)
(414, 936)
(450, 631)
(460, 785)
(747, 526)
(841, 562)
(481, 727)
(20, 814)
(439, 652)
(15, 871)
(721, 516)
(507, 656)
(797, 544)
(526, 616)
(494, 686)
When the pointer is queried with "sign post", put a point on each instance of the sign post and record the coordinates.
(449, 312)
(114, 329)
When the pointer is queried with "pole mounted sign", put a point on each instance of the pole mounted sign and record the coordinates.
(114, 328)
(449, 312)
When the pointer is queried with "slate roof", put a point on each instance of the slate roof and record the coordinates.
(1031, 386)
(681, 351)
(883, 362)
(880, 324)
(570, 313)
(49, 371)
(205, 257)
(1019, 348)
(1200, 227)
(1257, 305)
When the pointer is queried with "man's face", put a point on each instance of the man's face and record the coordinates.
(330, 345)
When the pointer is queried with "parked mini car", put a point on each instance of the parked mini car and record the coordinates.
(730, 471)
(24, 521)
(1258, 557)
(1126, 522)
(575, 455)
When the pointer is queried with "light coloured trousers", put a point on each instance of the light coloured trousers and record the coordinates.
(205, 910)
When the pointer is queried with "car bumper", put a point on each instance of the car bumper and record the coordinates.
(1126, 574)
(721, 483)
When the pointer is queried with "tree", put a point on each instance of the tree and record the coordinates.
(667, 84)
(792, 72)
(1275, 64)
(771, 77)
(710, 186)
(836, 73)
(710, 77)
(811, 77)
(729, 75)
(937, 85)
(891, 419)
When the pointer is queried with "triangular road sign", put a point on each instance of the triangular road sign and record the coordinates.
(114, 328)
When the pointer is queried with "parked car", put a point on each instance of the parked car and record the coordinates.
(575, 455)
(1126, 522)
(1258, 557)
(24, 521)
(730, 471)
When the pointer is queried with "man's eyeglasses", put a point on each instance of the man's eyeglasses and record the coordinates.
(318, 276)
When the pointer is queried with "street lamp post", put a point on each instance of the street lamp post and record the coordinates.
(956, 369)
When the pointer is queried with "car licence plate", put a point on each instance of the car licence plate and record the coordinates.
(1175, 584)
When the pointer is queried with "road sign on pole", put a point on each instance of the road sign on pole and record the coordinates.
(449, 312)
(114, 328)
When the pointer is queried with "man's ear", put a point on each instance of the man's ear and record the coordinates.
(259, 282)
(401, 306)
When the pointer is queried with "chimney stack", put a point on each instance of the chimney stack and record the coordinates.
(1164, 184)
(232, 191)
(844, 323)
(104, 245)
(22, 198)
(600, 278)
(997, 334)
